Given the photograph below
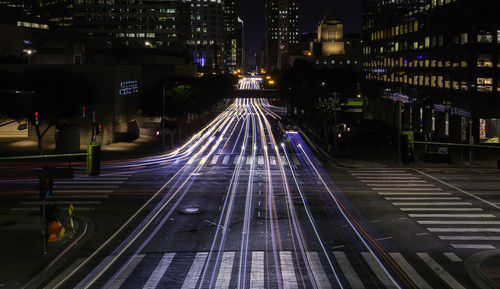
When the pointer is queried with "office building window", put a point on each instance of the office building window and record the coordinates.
(484, 37)
(484, 60)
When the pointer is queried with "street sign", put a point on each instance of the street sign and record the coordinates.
(71, 209)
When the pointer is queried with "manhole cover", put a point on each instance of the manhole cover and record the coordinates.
(191, 210)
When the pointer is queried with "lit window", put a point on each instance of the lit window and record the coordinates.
(484, 37)
(484, 60)
(464, 38)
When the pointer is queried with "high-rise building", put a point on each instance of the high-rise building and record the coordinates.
(120, 23)
(233, 41)
(441, 58)
(281, 32)
(207, 32)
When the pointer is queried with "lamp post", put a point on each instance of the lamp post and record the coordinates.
(29, 52)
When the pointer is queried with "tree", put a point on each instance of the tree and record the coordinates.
(45, 97)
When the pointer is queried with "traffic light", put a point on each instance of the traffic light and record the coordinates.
(36, 118)
(83, 111)
(45, 187)
(98, 128)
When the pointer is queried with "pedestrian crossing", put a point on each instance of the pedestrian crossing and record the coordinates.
(246, 160)
(185, 270)
(443, 212)
(84, 192)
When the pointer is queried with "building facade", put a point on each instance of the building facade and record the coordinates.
(233, 41)
(119, 23)
(281, 32)
(441, 59)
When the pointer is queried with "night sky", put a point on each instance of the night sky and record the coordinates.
(312, 11)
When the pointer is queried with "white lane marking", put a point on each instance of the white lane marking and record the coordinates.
(295, 160)
(249, 160)
(452, 256)
(260, 160)
(348, 271)
(225, 271)
(441, 209)
(451, 215)
(68, 270)
(257, 270)
(413, 194)
(422, 198)
(473, 246)
(287, 270)
(470, 238)
(463, 230)
(273, 160)
(160, 269)
(195, 270)
(414, 276)
(377, 269)
(215, 159)
(317, 270)
(122, 277)
(406, 189)
(440, 271)
(460, 190)
(72, 197)
(461, 222)
(225, 161)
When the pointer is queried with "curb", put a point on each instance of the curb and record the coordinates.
(46, 269)
(473, 268)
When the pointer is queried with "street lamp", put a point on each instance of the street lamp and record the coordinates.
(29, 52)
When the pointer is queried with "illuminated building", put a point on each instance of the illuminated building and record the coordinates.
(233, 29)
(442, 56)
(207, 32)
(281, 32)
(119, 23)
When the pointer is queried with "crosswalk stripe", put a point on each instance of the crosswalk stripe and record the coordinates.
(225, 161)
(273, 160)
(215, 159)
(473, 246)
(295, 160)
(195, 270)
(37, 203)
(287, 270)
(317, 270)
(225, 271)
(414, 276)
(406, 189)
(440, 271)
(283, 160)
(412, 194)
(65, 273)
(348, 271)
(432, 204)
(463, 230)
(72, 197)
(399, 185)
(120, 279)
(451, 215)
(470, 238)
(377, 269)
(441, 209)
(257, 270)
(461, 222)
(260, 160)
(160, 269)
(452, 256)
(249, 160)
(392, 181)
(237, 158)
(422, 198)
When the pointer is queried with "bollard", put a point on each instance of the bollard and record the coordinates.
(94, 159)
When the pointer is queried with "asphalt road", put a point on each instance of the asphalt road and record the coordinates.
(241, 206)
